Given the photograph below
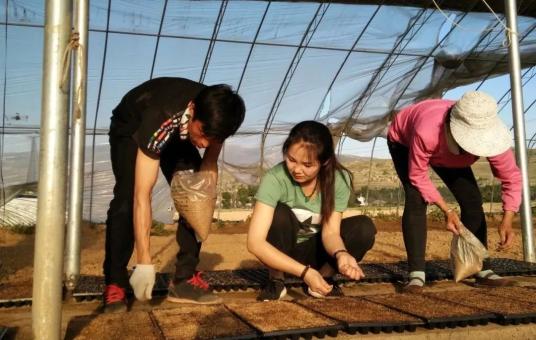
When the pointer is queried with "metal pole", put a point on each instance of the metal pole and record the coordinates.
(519, 128)
(78, 138)
(50, 228)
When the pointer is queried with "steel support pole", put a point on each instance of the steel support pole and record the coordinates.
(78, 142)
(51, 190)
(519, 128)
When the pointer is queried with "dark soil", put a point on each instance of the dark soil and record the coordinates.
(15, 290)
(358, 311)
(133, 326)
(496, 304)
(426, 307)
(267, 316)
(200, 322)
(515, 293)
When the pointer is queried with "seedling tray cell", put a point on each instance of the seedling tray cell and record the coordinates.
(438, 270)
(361, 315)
(15, 302)
(397, 271)
(436, 313)
(89, 284)
(201, 322)
(509, 267)
(374, 272)
(239, 279)
(522, 294)
(284, 318)
(506, 310)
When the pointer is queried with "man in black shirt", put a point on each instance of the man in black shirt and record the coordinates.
(160, 124)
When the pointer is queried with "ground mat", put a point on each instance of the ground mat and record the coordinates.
(284, 318)
(91, 287)
(360, 315)
(436, 313)
(132, 325)
(201, 322)
(506, 309)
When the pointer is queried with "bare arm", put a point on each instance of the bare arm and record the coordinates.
(331, 238)
(331, 233)
(210, 160)
(259, 246)
(145, 179)
(506, 233)
(272, 257)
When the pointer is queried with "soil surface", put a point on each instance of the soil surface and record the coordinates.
(225, 248)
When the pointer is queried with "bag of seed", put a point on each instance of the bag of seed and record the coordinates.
(194, 196)
(467, 254)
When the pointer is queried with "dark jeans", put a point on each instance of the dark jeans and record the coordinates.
(357, 232)
(460, 181)
(119, 245)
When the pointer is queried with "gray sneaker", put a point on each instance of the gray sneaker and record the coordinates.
(193, 290)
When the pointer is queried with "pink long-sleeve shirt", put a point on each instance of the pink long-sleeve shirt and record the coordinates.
(420, 127)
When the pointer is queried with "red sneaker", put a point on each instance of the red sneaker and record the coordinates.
(115, 299)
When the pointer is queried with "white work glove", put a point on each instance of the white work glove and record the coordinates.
(142, 281)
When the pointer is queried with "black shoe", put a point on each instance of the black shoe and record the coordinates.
(274, 290)
(114, 299)
(193, 290)
(486, 281)
(414, 288)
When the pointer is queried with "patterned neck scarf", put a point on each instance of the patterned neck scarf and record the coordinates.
(176, 123)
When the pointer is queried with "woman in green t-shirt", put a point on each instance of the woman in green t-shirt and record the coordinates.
(297, 225)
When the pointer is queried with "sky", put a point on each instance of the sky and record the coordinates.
(129, 58)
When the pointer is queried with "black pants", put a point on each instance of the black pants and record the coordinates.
(460, 181)
(357, 232)
(119, 245)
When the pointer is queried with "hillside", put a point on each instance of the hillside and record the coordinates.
(383, 175)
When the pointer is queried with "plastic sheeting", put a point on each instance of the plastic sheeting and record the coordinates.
(350, 66)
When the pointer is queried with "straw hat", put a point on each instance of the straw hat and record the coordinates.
(476, 127)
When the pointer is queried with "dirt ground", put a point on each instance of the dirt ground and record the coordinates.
(226, 249)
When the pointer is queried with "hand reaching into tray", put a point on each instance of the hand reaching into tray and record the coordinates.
(348, 266)
(316, 282)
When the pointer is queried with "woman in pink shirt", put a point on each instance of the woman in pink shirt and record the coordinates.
(449, 136)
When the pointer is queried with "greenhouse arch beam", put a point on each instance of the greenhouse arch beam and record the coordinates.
(252, 46)
(215, 32)
(360, 103)
(348, 54)
(308, 34)
(158, 38)
(498, 6)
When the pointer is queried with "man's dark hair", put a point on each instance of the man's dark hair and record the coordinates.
(220, 110)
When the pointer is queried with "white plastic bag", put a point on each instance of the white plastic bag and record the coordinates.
(467, 254)
(194, 196)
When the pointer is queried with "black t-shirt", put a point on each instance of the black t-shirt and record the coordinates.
(150, 106)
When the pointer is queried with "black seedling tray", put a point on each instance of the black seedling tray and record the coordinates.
(472, 315)
(497, 305)
(384, 324)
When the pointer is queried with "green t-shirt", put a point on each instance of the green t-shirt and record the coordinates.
(278, 186)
